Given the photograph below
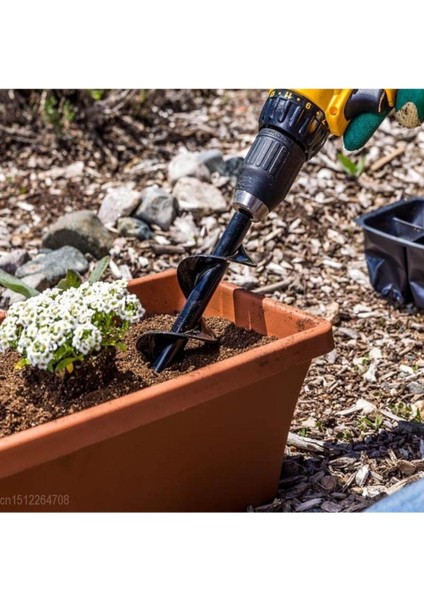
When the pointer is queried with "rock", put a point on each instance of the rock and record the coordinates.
(212, 159)
(48, 269)
(185, 231)
(365, 406)
(198, 197)
(331, 357)
(336, 236)
(125, 272)
(114, 269)
(309, 423)
(332, 313)
(187, 164)
(81, 229)
(73, 170)
(10, 262)
(348, 332)
(9, 297)
(134, 228)
(375, 354)
(359, 277)
(157, 207)
(231, 166)
(415, 388)
(371, 374)
(40, 281)
(119, 202)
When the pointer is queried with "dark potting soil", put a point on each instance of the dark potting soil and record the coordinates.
(29, 397)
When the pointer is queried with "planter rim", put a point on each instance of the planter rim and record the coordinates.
(164, 399)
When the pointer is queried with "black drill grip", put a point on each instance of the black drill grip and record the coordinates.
(271, 167)
(292, 130)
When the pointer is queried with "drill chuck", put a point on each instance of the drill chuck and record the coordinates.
(292, 130)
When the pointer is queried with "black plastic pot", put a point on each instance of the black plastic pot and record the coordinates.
(394, 250)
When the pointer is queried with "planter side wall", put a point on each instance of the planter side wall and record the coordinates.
(224, 455)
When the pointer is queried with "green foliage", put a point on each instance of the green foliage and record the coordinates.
(96, 94)
(99, 269)
(51, 111)
(17, 285)
(304, 432)
(68, 112)
(374, 424)
(58, 111)
(405, 411)
(353, 169)
(72, 280)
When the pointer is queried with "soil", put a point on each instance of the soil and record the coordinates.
(30, 397)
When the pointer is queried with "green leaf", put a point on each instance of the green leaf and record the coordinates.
(97, 273)
(22, 362)
(72, 280)
(17, 285)
(121, 346)
(64, 364)
(60, 353)
(349, 166)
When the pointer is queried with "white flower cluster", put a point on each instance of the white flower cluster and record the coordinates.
(57, 324)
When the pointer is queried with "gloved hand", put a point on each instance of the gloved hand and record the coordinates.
(409, 112)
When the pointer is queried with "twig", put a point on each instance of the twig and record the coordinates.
(400, 484)
(170, 249)
(381, 162)
(19, 135)
(272, 287)
(305, 443)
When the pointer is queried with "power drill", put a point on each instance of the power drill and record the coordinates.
(293, 126)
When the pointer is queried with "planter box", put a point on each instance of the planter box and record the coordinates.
(394, 250)
(210, 440)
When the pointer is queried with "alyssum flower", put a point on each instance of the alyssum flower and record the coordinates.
(56, 328)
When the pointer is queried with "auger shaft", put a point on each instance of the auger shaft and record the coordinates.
(204, 288)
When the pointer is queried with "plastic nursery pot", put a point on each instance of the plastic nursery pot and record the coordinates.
(209, 440)
(394, 250)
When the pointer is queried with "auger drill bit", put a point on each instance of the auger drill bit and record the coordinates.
(292, 129)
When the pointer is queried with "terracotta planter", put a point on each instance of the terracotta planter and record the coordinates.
(211, 440)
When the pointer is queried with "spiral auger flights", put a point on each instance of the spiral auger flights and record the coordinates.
(198, 277)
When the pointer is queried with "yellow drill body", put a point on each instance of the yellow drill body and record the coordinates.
(333, 104)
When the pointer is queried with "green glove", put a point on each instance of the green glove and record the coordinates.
(409, 113)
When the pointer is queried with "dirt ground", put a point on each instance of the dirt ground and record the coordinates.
(357, 433)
